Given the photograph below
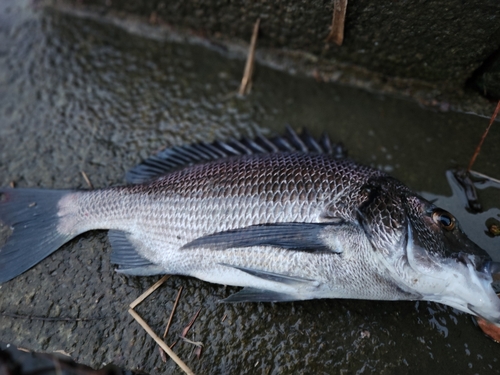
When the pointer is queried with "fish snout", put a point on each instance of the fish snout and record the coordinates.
(493, 318)
(487, 303)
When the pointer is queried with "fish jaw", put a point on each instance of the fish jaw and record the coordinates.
(468, 290)
(451, 282)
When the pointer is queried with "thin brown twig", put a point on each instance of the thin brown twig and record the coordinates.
(478, 148)
(172, 312)
(159, 341)
(148, 329)
(338, 21)
(144, 295)
(162, 353)
(188, 327)
(247, 75)
(87, 180)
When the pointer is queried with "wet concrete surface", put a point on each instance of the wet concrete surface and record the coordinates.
(80, 95)
(16, 362)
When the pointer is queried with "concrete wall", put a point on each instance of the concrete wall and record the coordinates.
(433, 41)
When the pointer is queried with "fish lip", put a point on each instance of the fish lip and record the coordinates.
(477, 313)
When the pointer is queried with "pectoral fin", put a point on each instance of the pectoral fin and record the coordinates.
(308, 237)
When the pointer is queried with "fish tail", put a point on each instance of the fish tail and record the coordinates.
(33, 218)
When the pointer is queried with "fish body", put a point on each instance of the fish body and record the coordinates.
(289, 218)
(240, 192)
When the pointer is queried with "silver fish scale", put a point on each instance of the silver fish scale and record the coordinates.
(231, 193)
(237, 192)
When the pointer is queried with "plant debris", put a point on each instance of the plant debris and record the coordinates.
(464, 176)
(338, 20)
(198, 344)
(190, 324)
(246, 81)
(172, 313)
(480, 144)
(162, 353)
(87, 180)
(195, 343)
(144, 295)
(493, 226)
(148, 329)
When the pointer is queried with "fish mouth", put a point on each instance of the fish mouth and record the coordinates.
(487, 271)
(462, 279)
(480, 314)
(423, 260)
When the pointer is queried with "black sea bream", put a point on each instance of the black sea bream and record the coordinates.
(288, 218)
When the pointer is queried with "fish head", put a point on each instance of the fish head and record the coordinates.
(426, 252)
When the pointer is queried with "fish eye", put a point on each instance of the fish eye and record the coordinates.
(444, 219)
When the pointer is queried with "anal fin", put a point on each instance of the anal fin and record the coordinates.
(273, 276)
(258, 295)
(249, 294)
(127, 258)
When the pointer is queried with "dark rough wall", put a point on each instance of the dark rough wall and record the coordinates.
(443, 41)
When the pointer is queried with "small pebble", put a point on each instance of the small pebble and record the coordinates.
(494, 230)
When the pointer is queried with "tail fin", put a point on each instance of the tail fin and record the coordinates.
(32, 215)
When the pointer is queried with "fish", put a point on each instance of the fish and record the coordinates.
(287, 218)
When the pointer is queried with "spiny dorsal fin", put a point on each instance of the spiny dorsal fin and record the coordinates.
(171, 159)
